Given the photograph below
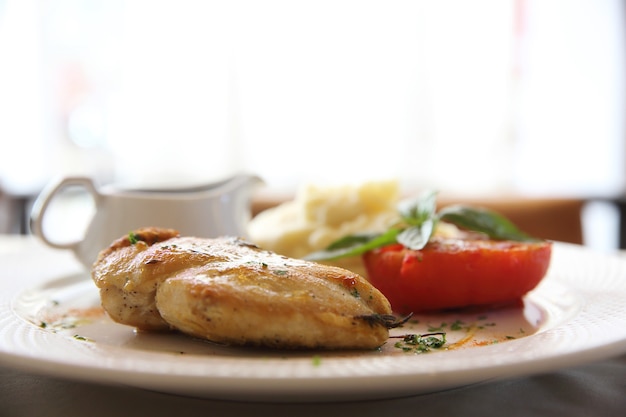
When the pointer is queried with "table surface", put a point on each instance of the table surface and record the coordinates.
(597, 389)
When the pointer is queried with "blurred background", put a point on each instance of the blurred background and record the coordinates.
(483, 97)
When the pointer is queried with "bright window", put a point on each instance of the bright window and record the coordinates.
(485, 96)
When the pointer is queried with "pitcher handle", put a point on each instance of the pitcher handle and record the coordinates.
(41, 204)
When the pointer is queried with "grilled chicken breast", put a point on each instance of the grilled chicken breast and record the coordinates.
(230, 291)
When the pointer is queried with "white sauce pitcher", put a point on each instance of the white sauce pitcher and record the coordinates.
(218, 209)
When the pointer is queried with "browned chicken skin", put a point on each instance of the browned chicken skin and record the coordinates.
(229, 291)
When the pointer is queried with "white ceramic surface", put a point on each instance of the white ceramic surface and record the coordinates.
(52, 323)
(209, 210)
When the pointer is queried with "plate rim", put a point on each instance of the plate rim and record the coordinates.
(247, 388)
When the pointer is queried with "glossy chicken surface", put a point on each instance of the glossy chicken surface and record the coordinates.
(229, 291)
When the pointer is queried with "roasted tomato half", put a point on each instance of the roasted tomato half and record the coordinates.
(455, 273)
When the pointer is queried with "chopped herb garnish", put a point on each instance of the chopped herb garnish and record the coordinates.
(387, 320)
(280, 272)
(133, 238)
(421, 343)
(317, 360)
(456, 325)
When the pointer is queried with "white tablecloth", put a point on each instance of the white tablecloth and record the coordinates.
(594, 389)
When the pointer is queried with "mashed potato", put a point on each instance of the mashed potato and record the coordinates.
(319, 215)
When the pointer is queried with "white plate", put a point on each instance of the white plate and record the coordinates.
(576, 315)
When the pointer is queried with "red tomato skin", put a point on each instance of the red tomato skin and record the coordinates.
(455, 273)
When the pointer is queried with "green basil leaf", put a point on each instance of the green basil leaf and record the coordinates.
(419, 218)
(351, 241)
(416, 237)
(418, 210)
(483, 220)
(354, 245)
